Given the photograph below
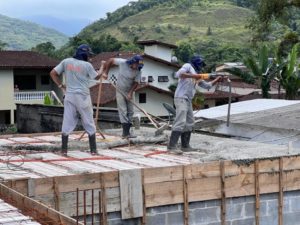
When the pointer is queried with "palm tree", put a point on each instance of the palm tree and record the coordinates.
(257, 70)
(289, 75)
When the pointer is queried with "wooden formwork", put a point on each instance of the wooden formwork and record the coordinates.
(169, 185)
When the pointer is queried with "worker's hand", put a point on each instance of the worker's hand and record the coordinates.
(104, 76)
(129, 96)
(222, 78)
(63, 88)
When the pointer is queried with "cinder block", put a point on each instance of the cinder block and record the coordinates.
(175, 218)
(158, 219)
(250, 209)
(250, 221)
(165, 209)
(206, 215)
(197, 205)
(236, 211)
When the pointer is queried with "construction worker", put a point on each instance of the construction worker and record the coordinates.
(78, 74)
(188, 79)
(129, 77)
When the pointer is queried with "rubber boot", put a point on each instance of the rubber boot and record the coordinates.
(64, 144)
(125, 130)
(129, 134)
(93, 145)
(185, 142)
(172, 146)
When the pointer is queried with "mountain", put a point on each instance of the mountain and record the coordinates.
(173, 21)
(23, 35)
(69, 27)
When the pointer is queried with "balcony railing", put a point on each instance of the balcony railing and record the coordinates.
(22, 96)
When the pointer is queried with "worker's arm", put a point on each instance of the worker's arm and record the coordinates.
(130, 93)
(106, 67)
(203, 76)
(55, 77)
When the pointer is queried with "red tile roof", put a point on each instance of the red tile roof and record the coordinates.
(220, 95)
(26, 59)
(108, 94)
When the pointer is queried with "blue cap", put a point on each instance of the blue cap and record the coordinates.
(136, 59)
(198, 62)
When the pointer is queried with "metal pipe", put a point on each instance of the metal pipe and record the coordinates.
(229, 103)
(77, 205)
(92, 206)
(84, 207)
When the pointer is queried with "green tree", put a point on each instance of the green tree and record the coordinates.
(2, 45)
(290, 75)
(259, 69)
(46, 48)
(184, 51)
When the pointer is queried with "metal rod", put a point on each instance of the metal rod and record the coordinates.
(92, 206)
(77, 205)
(84, 207)
(229, 102)
(100, 207)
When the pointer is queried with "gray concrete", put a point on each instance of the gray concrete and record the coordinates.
(239, 211)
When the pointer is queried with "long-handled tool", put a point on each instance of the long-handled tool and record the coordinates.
(98, 105)
(160, 128)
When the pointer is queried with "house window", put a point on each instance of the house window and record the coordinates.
(163, 79)
(45, 80)
(142, 98)
(26, 82)
(150, 79)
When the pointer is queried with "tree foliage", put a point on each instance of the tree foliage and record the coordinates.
(46, 48)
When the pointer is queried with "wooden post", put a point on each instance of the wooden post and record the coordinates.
(185, 196)
(280, 200)
(103, 198)
(223, 194)
(144, 218)
(257, 193)
(56, 194)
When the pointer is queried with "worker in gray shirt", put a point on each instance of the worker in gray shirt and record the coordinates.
(129, 77)
(78, 75)
(188, 79)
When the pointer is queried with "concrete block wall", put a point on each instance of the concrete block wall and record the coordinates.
(239, 211)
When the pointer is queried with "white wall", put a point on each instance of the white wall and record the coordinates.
(155, 69)
(153, 103)
(6, 90)
(158, 51)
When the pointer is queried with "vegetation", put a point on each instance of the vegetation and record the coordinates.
(15, 33)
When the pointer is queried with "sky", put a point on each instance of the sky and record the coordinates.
(60, 14)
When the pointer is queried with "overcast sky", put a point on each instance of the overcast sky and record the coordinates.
(65, 9)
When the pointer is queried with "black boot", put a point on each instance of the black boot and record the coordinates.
(93, 145)
(185, 142)
(64, 144)
(129, 134)
(125, 130)
(172, 146)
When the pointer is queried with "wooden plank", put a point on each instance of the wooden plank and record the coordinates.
(280, 197)
(185, 196)
(31, 188)
(257, 193)
(56, 194)
(103, 200)
(223, 194)
(37, 209)
(144, 218)
(131, 193)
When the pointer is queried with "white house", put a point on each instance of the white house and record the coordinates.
(24, 78)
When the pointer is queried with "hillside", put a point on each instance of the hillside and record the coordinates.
(174, 21)
(22, 35)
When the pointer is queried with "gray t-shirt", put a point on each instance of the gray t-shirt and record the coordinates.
(186, 86)
(126, 76)
(78, 75)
